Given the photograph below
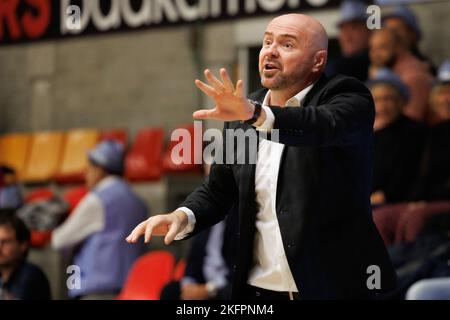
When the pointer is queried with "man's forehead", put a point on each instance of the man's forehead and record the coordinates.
(286, 31)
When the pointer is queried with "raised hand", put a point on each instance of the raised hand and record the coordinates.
(231, 103)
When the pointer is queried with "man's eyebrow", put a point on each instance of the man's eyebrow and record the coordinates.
(284, 35)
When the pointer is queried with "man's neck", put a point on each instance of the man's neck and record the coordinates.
(280, 97)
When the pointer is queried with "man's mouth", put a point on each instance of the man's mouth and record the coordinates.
(270, 66)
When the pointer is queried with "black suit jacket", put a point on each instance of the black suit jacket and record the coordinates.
(323, 192)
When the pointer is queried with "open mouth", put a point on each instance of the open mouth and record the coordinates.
(270, 66)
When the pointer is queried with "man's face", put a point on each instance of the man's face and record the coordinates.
(402, 30)
(440, 102)
(285, 58)
(388, 104)
(353, 37)
(11, 251)
(382, 49)
(93, 175)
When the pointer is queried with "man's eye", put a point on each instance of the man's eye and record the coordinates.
(267, 43)
(288, 45)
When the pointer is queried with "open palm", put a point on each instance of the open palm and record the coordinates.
(231, 103)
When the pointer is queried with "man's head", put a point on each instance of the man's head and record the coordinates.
(105, 159)
(353, 32)
(440, 101)
(293, 54)
(402, 21)
(390, 95)
(383, 48)
(440, 95)
(14, 240)
(7, 175)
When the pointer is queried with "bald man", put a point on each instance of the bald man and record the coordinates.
(305, 226)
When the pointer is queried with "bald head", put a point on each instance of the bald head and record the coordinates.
(316, 37)
(293, 55)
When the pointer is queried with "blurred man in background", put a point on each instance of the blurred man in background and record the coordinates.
(435, 182)
(354, 42)
(19, 279)
(398, 140)
(209, 265)
(10, 193)
(387, 51)
(402, 21)
(97, 227)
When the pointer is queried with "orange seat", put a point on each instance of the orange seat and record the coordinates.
(74, 159)
(148, 276)
(44, 157)
(74, 196)
(119, 135)
(178, 273)
(173, 160)
(144, 161)
(14, 149)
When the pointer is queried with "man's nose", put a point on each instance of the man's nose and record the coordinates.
(273, 51)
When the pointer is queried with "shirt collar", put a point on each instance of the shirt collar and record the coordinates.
(296, 100)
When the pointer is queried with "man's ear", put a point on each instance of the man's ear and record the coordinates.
(320, 59)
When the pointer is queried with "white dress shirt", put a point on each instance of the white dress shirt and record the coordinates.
(270, 269)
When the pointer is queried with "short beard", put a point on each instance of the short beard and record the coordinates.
(276, 85)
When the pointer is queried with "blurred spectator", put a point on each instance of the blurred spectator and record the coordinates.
(354, 42)
(10, 194)
(19, 279)
(435, 181)
(99, 224)
(440, 95)
(398, 140)
(209, 266)
(387, 51)
(402, 21)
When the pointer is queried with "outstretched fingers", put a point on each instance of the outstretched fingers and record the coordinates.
(206, 89)
(172, 233)
(229, 87)
(205, 114)
(137, 232)
(240, 88)
(217, 85)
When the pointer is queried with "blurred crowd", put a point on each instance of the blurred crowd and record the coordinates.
(411, 143)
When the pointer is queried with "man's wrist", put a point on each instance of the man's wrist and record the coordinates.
(183, 218)
(254, 114)
(261, 118)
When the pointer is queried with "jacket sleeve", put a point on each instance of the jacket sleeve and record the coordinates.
(344, 116)
(212, 201)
